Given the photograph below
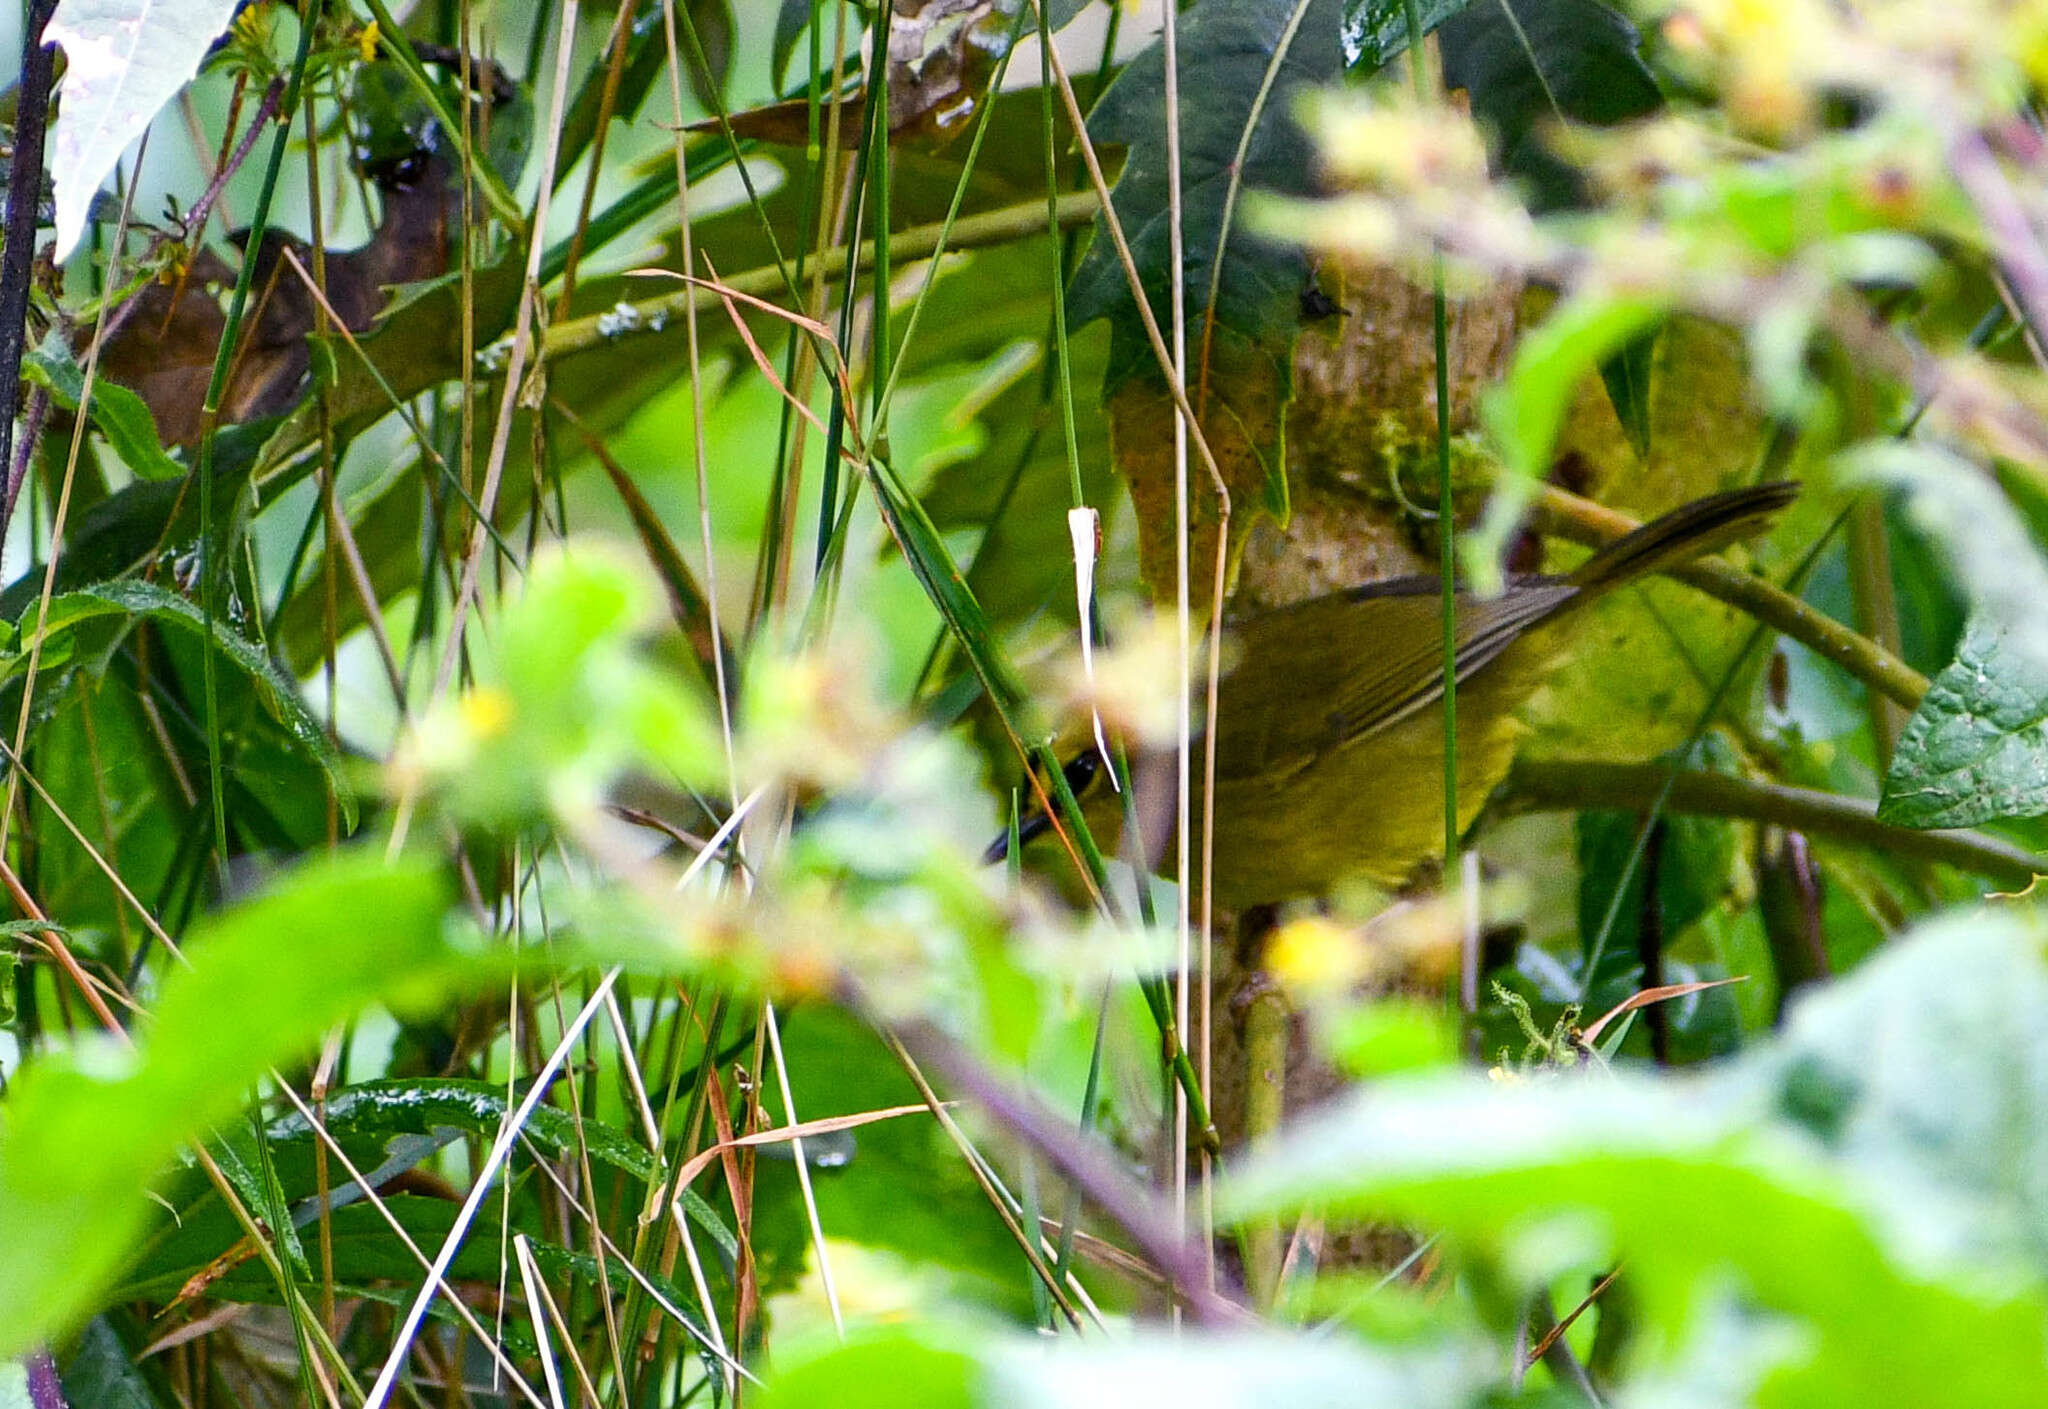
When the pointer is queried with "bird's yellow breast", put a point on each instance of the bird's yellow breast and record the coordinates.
(1374, 806)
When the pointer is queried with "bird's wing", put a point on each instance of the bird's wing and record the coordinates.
(1356, 663)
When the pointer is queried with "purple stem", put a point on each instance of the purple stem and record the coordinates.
(195, 218)
(1084, 1166)
(24, 452)
(24, 196)
(45, 1390)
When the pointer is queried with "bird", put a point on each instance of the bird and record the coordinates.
(1329, 757)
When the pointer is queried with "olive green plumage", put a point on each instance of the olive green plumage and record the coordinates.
(1329, 757)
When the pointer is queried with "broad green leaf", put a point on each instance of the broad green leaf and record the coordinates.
(1529, 64)
(1977, 747)
(103, 1372)
(1242, 66)
(120, 414)
(132, 529)
(124, 60)
(1239, 1368)
(1879, 1167)
(1925, 1077)
(368, 1255)
(89, 1129)
(878, 1368)
(129, 598)
(1374, 31)
(841, 1068)
(382, 1112)
(941, 1366)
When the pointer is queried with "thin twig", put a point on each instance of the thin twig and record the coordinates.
(1547, 784)
(24, 195)
(1120, 1198)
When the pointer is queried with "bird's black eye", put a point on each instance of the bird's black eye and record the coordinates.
(398, 173)
(1082, 770)
(1316, 306)
(408, 169)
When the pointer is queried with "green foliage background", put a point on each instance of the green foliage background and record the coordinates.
(499, 766)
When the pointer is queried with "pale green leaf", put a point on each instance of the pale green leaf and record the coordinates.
(121, 415)
(1977, 747)
(1879, 1167)
(89, 1129)
(124, 60)
(1525, 413)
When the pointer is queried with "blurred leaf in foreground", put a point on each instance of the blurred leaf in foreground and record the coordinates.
(1881, 1167)
(89, 1130)
(932, 1368)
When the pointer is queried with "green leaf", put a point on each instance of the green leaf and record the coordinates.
(1530, 63)
(1244, 1367)
(844, 1068)
(381, 1112)
(1014, 489)
(646, 52)
(1374, 31)
(150, 518)
(120, 414)
(1925, 1078)
(368, 1254)
(1876, 1168)
(89, 1129)
(1242, 67)
(102, 1372)
(124, 62)
(1692, 868)
(792, 17)
(1525, 413)
(129, 598)
(713, 22)
(1961, 509)
(1977, 747)
(877, 1369)
(939, 1366)
(1627, 377)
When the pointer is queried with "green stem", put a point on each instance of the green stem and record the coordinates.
(1002, 226)
(209, 418)
(1447, 523)
(1537, 785)
(1563, 514)
(1266, 1031)
(1059, 283)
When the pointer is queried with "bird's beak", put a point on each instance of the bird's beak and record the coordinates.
(1033, 826)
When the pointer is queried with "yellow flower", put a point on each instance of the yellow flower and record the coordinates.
(252, 26)
(1313, 955)
(487, 712)
(366, 40)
